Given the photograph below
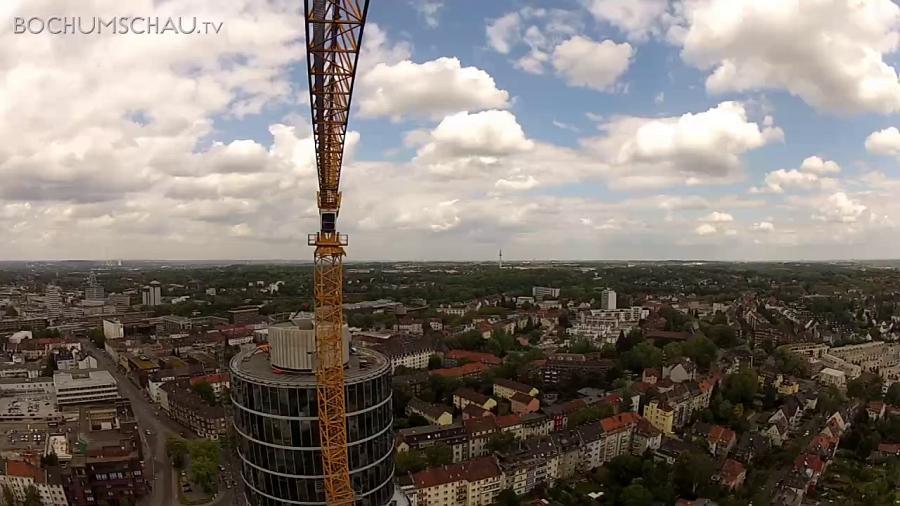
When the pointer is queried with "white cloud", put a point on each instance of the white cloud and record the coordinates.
(718, 217)
(884, 142)
(590, 64)
(636, 18)
(428, 9)
(520, 184)
(483, 134)
(503, 32)
(692, 149)
(429, 89)
(830, 53)
(763, 226)
(810, 176)
(659, 98)
(705, 229)
(839, 207)
(816, 165)
(537, 31)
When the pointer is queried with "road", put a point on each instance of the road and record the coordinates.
(158, 471)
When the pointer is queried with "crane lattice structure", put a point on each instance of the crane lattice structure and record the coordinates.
(334, 31)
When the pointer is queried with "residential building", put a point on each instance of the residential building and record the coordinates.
(192, 411)
(462, 397)
(608, 299)
(435, 414)
(54, 301)
(521, 404)
(562, 367)
(403, 350)
(151, 295)
(833, 377)
(505, 388)
(541, 292)
(113, 329)
(453, 435)
(84, 387)
(93, 290)
(732, 475)
(457, 357)
(473, 483)
(660, 415)
(460, 372)
(103, 461)
(19, 475)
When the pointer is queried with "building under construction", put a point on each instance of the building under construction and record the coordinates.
(277, 426)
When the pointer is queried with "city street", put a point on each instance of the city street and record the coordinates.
(159, 472)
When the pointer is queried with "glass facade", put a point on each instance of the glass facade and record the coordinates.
(278, 440)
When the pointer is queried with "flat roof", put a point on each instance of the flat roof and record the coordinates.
(254, 365)
(28, 407)
(83, 378)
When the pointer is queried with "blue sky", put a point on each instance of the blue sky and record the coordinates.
(586, 129)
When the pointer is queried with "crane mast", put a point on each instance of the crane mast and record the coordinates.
(334, 30)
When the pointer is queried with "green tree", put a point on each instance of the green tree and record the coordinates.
(740, 387)
(205, 473)
(590, 414)
(411, 461)
(701, 350)
(636, 495)
(176, 449)
(642, 356)
(867, 388)
(692, 471)
(439, 455)
(435, 362)
(508, 497)
(501, 442)
(893, 394)
(206, 392)
(32, 497)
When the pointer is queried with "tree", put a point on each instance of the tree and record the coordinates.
(8, 498)
(205, 473)
(96, 336)
(691, 471)
(411, 461)
(740, 387)
(642, 356)
(893, 394)
(435, 362)
(701, 350)
(790, 363)
(636, 495)
(865, 388)
(590, 414)
(508, 497)
(32, 497)
(439, 455)
(501, 442)
(206, 392)
(176, 449)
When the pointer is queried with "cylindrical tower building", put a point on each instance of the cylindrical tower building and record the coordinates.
(277, 428)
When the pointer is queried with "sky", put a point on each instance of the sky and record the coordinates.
(564, 129)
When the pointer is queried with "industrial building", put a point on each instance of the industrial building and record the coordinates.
(277, 426)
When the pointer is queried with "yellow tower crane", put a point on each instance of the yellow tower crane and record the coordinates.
(334, 30)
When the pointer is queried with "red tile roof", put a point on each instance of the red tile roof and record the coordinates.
(474, 356)
(458, 372)
(720, 435)
(889, 448)
(24, 470)
(508, 421)
(731, 471)
(809, 461)
(618, 422)
(478, 469)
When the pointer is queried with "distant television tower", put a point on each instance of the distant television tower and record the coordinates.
(501, 258)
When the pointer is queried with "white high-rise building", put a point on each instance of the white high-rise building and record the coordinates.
(151, 295)
(54, 301)
(607, 299)
(93, 290)
(542, 292)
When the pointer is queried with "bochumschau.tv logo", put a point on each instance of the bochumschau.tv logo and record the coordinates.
(116, 25)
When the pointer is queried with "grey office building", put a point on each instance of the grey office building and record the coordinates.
(276, 424)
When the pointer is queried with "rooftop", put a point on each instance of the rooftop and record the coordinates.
(254, 365)
(83, 378)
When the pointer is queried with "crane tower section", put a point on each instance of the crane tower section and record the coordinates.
(334, 30)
